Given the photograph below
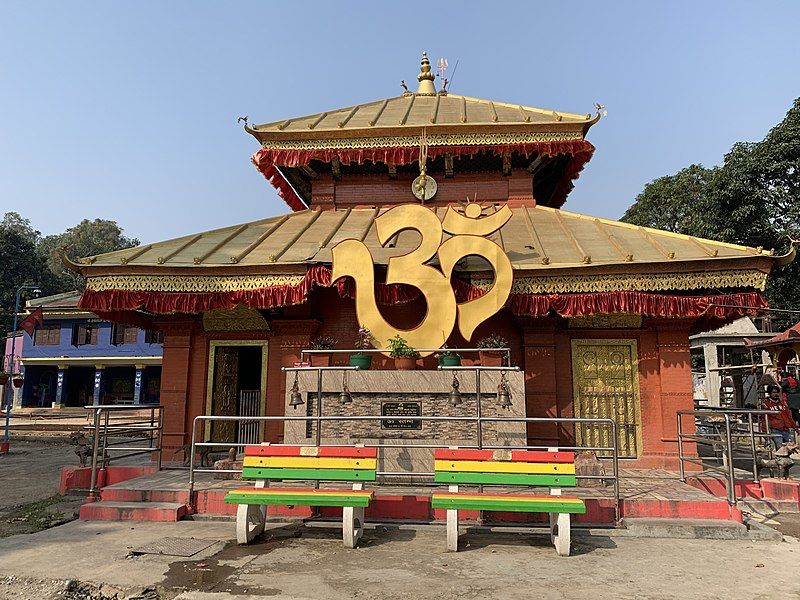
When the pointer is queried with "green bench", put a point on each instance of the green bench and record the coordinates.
(508, 468)
(265, 463)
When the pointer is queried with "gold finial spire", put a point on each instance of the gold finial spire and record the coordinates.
(425, 77)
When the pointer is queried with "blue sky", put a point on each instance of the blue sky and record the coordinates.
(127, 111)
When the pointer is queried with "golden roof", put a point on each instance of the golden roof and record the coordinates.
(440, 113)
(540, 241)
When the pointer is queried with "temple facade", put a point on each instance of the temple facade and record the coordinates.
(597, 314)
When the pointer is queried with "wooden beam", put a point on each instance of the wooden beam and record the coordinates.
(336, 168)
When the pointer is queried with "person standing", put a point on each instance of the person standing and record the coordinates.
(791, 388)
(781, 424)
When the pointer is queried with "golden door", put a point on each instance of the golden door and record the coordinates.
(606, 386)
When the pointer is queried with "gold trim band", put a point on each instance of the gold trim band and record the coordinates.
(472, 139)
(189, 283)
(651, 282)
(744, 278)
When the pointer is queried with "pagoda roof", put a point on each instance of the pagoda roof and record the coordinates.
(392, 130)
(407, 115)
(541, 242)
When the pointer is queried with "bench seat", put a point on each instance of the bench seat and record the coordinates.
(524, 468)
(299, 497)
(265, 463)
(508, 502)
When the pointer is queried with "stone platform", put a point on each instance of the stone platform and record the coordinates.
(643, 494)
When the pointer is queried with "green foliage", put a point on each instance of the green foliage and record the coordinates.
(87, 238)
(27, 257)
(19, 263)
(400, 349)
(322, 343)
(753, 199)
(493, 341)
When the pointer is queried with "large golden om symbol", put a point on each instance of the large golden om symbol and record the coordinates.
(352, 258)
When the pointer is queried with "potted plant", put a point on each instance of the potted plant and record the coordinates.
(3, 377)
(322, 343)
(490, 357)
(448, 359)
(359, 359)
(17, 380)
(405, 357)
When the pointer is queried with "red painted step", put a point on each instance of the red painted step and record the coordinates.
(133, 511)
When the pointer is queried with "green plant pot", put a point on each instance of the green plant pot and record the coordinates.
(450, 360)
(362, 361)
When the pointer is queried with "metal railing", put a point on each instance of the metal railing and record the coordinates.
(731, 434)
(505, 351)
(398, 443)
(116, 428)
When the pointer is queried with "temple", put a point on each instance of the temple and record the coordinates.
(598, 315)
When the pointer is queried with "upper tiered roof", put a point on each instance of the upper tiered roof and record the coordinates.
(389, 131)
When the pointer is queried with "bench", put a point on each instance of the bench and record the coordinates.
(508, 468)
(265, 463)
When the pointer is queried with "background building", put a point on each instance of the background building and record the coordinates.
(75, 358)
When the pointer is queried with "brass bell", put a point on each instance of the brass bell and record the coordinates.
(455, 394)
(296, 398)
(503, 393)
(344, 396)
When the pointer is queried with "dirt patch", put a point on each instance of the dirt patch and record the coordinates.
(39, 515)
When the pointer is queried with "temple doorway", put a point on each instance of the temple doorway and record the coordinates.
(606, 386)
(236, 387)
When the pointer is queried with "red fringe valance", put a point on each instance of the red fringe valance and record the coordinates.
(278, 181)
(112, 302)
(266, 159)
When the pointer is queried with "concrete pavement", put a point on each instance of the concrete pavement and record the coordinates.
(408, 562)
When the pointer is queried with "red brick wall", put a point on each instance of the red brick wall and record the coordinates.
(541, 346)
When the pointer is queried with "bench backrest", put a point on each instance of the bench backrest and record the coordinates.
(505, 467)
(322, 463)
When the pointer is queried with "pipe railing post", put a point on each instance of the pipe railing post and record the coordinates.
(95, 446)
(680, 449)
(160, 436)
(729, 456)
(190, 499)
(753, 447)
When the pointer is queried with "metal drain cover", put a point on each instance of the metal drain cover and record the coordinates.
(174, 546)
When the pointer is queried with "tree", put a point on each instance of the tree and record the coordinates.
(87, 238)
(19, 263)
(753, 199)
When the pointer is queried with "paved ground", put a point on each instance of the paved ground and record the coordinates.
(293, 561)
(29, 477)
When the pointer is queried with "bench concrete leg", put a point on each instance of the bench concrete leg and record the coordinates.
(352, 525)
(560, 532)
(452, 525)
(452, 530)
(250, 520)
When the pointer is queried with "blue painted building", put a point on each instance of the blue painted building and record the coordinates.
(75, 359)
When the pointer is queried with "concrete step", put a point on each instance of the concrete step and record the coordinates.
(714, 529)
(122, 494)
(767, 507)
(133, 511)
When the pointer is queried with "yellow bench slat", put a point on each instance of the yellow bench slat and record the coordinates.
(485, 466)
(310, 462)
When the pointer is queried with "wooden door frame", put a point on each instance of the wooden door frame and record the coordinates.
(212, 354)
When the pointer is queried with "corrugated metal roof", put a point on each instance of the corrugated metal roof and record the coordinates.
(414, 111)
(537, 238)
